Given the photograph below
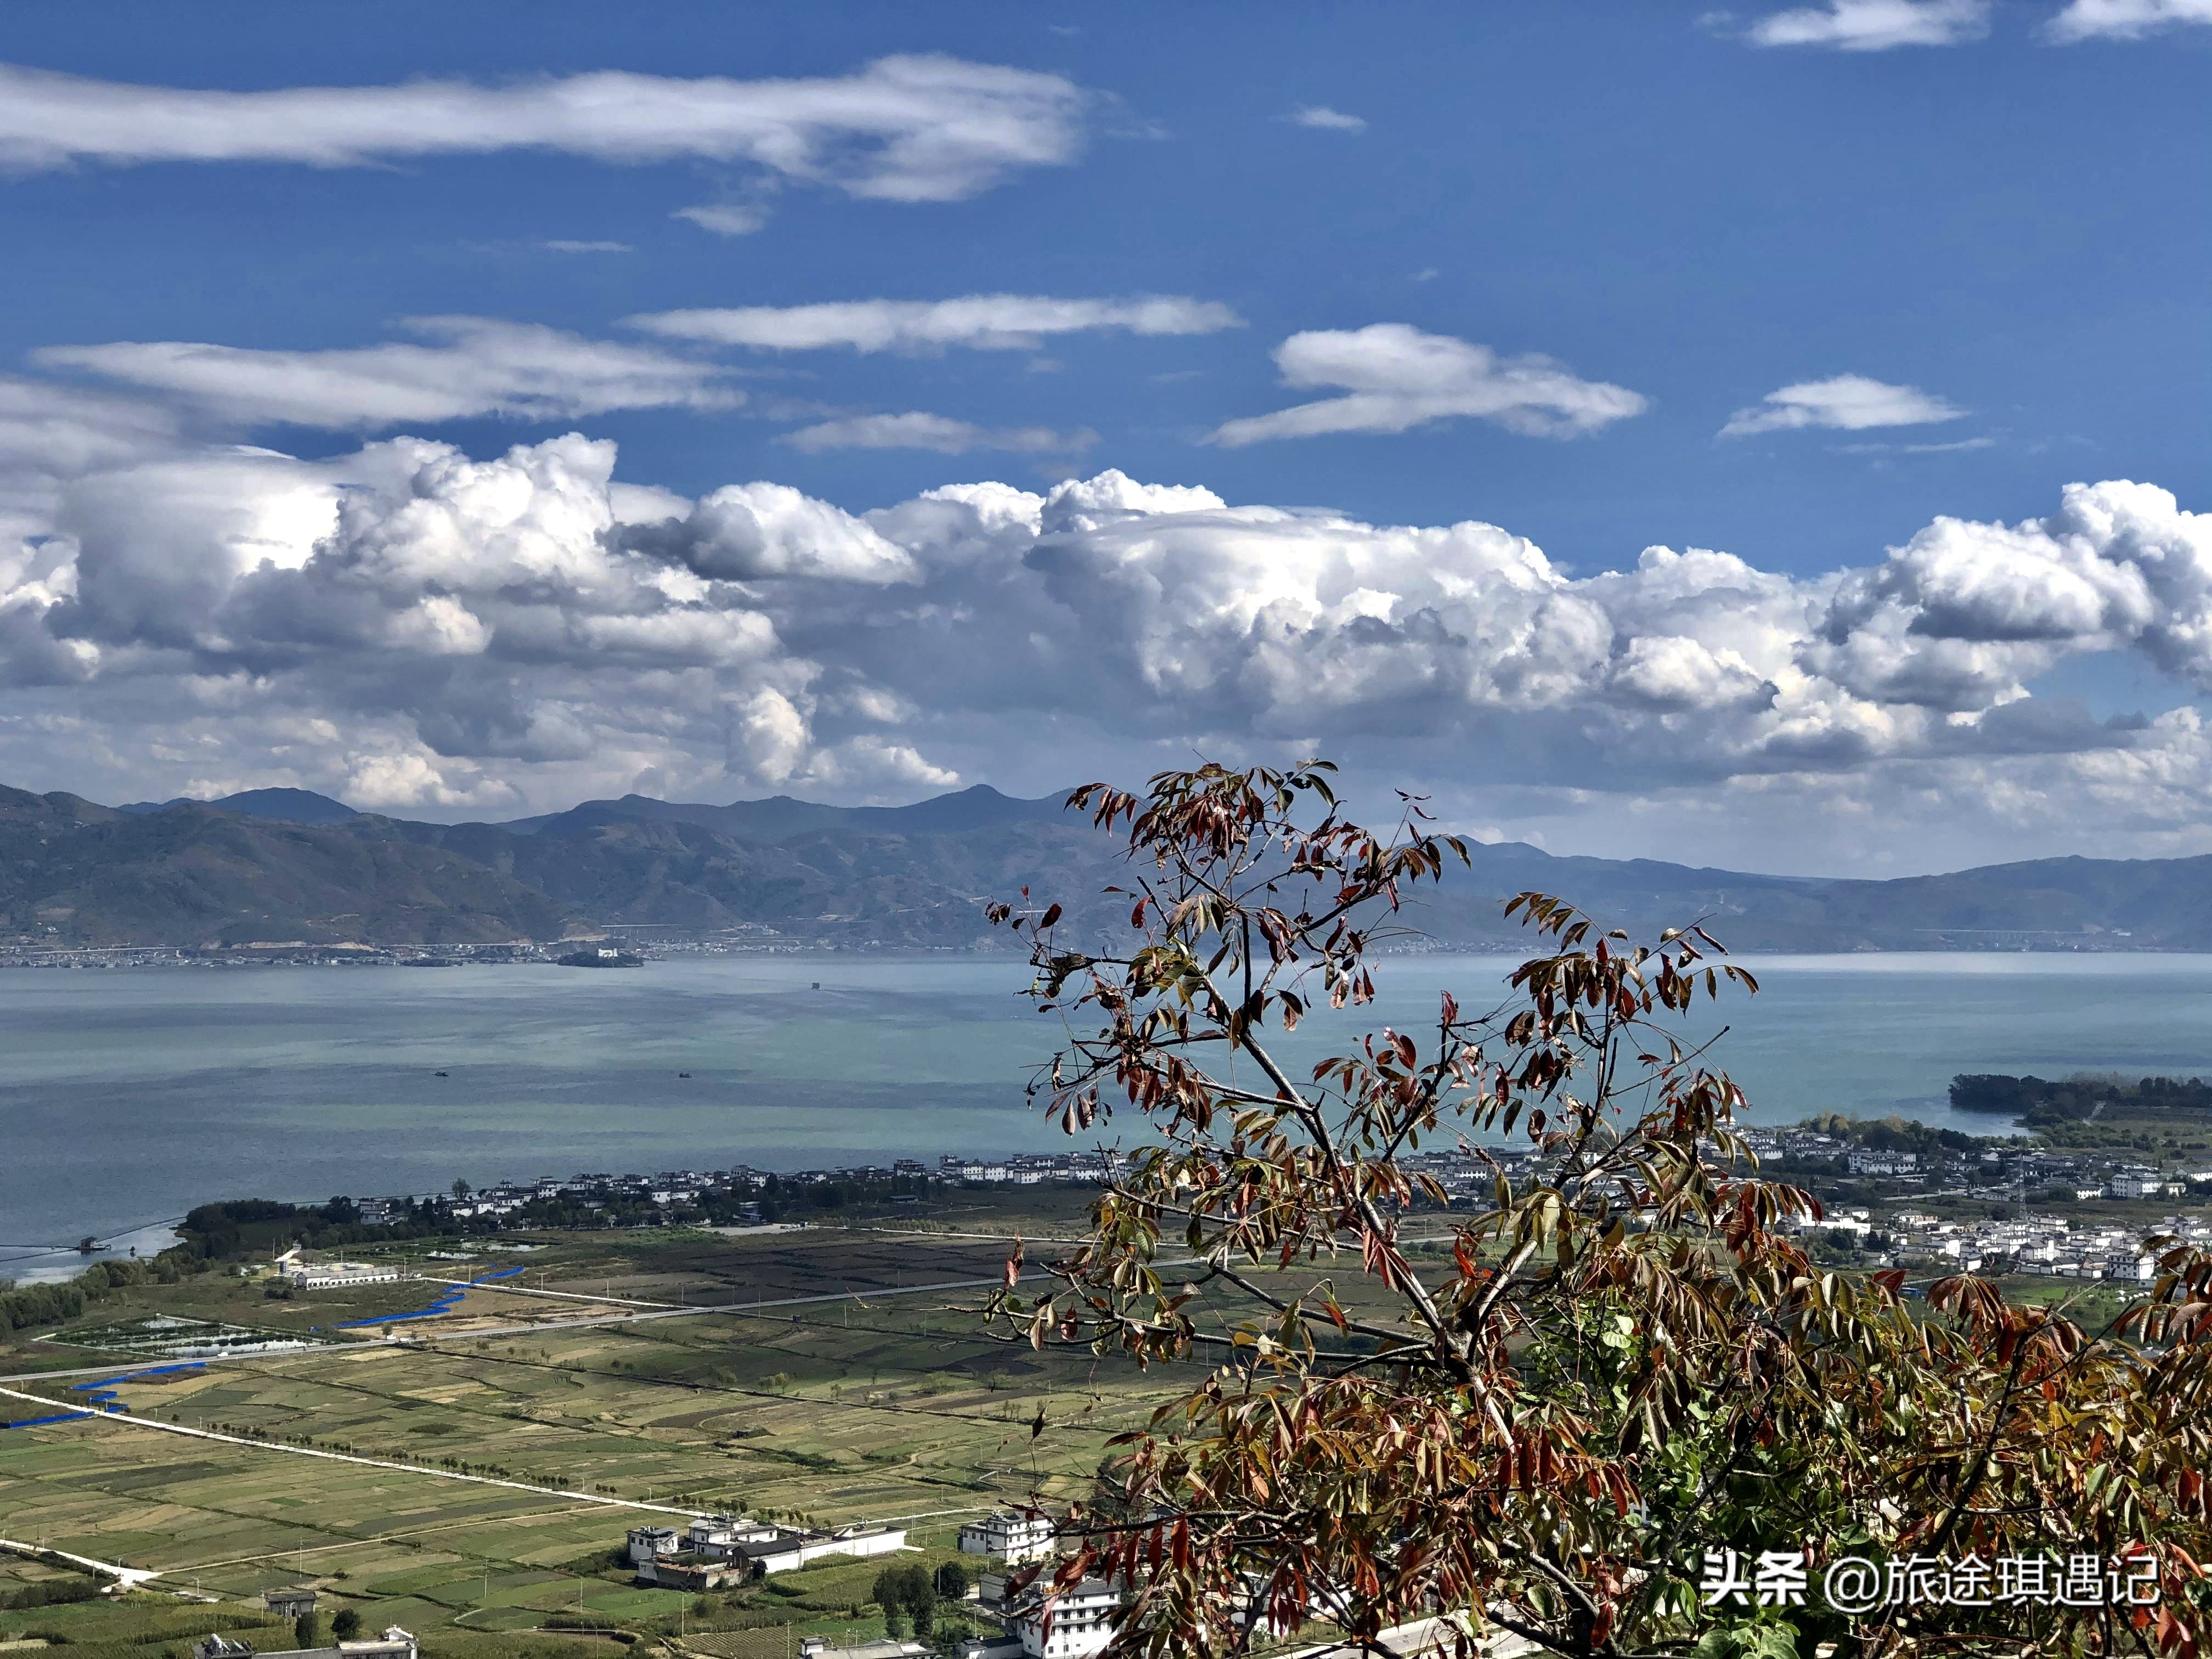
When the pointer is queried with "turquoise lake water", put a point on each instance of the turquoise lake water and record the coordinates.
(127, 1095)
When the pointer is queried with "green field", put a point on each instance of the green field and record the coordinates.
(881, 1403)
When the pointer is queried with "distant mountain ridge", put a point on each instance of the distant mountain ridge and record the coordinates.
(278, 805)
(291, 864)
(779, 816)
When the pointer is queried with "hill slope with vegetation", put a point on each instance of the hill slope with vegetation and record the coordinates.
(281, 865)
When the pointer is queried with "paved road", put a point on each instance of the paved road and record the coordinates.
(132, 1420)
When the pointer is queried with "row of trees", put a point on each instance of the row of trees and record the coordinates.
(1624, 1377)
(32, 1305)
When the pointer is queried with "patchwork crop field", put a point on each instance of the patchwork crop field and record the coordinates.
(474, 1479)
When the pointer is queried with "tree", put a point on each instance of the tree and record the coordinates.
(304, 1629)
(1541, 1410)
(345, 1624)
(461, 1191)
(952, 1580)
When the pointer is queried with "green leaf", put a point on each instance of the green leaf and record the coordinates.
(1747, 1642)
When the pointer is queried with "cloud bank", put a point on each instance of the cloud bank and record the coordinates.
(419, 630)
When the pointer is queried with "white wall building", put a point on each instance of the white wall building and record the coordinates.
(1080, 1623)
(770, 1548)
(1016, 1536)
(323, 1275)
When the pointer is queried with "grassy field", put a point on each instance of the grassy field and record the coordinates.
(506, 1455)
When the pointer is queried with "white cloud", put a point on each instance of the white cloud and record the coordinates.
(1964, 613)
(869, 761)
(755, 531)
(1916, 449)
(941, 432)
(563, 245)
(907, 129)
(1396, 377)
(1322, 116)
(428, 632)
(417, 778)
(724, 218)
(1875, 24)
(1851, 402)
(2124, 19)
(988, 322)
(475, 366)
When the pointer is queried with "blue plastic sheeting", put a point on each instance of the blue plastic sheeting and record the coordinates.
(102, 1393)
(445, 1303)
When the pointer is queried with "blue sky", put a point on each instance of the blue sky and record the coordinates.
(1974, 246)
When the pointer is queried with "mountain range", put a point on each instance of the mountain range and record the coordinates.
(275, 865)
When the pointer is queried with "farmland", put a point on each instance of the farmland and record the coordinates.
(473, 1480)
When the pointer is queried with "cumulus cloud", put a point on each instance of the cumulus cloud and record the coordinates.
(1396, 377)
(1328, 119)
(1851, 402)
(2124, 19)
(904, 129)
(1965, 612)
(49, 433)
(1875, 24)
(984, 322)
(472, 366)
(422, 631)
(941, 432)
(750, 532)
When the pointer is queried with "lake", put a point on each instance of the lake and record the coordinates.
(131, 1095)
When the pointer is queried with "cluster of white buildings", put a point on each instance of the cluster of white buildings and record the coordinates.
(722, 1549)
(305, 1275)
(1024, 1169)
(2048, 1244)
(2028, 1243)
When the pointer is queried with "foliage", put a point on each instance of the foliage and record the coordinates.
(907, 1589)
(53, 1304)
(1620, 1362)
(345, 1624)
(1896, 1134)
(952, 1580)
(2039, 1102)
(305, 1628)
(53, 1592)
